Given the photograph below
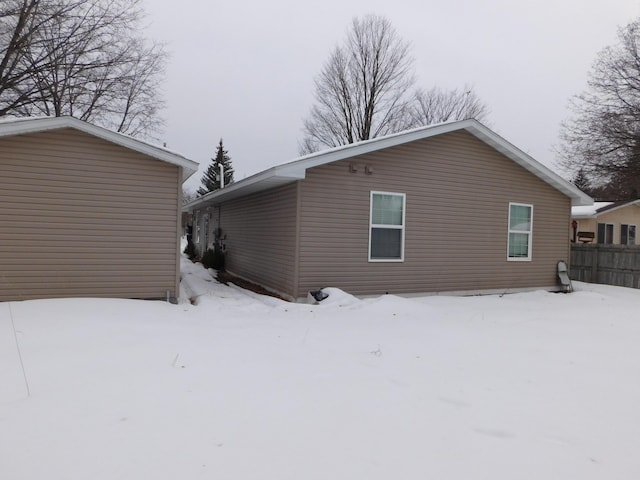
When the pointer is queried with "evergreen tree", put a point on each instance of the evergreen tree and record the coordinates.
(211, 178)
(581, 180)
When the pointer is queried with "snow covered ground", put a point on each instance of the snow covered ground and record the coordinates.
(241, 386)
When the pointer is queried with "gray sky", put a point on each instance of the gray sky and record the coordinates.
(244, 71)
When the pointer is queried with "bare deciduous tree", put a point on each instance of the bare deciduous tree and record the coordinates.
(188, 195)
(83, 58)
(437, 105)
(363, 90)
(602, 139)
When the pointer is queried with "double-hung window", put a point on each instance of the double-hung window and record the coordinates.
(520, 232)
(386, 227)
(605, 233)
(627, 234)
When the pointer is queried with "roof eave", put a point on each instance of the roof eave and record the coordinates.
(35, 125)
(272, 178)
(577, 196)
(296, 169)
(617, 207)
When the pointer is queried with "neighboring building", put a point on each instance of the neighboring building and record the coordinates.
(86, 212)
(613, 223)
(446, 208)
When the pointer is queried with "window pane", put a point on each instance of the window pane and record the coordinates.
(624, 230)
(601, 229)
(609, 237)
(518, 245)
(520, 218)
(631, 238)
(386, 243)
(605, 233)
(386, 209)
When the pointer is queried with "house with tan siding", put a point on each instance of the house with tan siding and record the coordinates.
(87, 212)
(446, 208)
(608, 223)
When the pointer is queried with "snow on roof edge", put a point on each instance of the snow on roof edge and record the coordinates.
(588, 211)
(22, 125)
(296, 168)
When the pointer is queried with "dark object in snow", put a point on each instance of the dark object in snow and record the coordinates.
(213, 259)
(190, 250)
(318, 295)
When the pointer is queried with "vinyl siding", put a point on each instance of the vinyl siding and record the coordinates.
(259, 235)
(629, 215)
(458, 191)
(587, 225)
(80, 216)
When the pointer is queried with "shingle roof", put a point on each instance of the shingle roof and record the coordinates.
(600, 207)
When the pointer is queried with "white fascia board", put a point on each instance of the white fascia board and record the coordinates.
(273, 177)
(21, 126)
(472, 126)
(491, 138)
(632, 202)
(296, 169)
(366, 146)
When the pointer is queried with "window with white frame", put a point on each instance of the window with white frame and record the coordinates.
(386, 227)
(605, 233)
(627, 234)
(520, 231)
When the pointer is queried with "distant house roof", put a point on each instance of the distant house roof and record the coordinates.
(592, 211)
(296, 170)
(20, 126)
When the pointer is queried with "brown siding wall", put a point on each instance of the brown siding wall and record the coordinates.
(259, 234)
(458, 191)
(80, 216)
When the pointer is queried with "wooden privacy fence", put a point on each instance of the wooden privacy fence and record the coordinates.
(609, 264)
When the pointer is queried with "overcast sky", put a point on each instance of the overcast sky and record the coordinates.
(244, 71)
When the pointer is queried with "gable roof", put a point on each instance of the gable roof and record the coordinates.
(20, 126)
(601, 207)
(296, 170)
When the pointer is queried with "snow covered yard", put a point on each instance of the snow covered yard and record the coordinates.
(241, 386)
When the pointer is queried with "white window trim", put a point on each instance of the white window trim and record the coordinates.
(530, 233)
(394, 227)
(629, 225)
(613, 233)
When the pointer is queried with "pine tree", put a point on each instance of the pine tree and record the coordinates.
(581, 180)
(211, 178)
